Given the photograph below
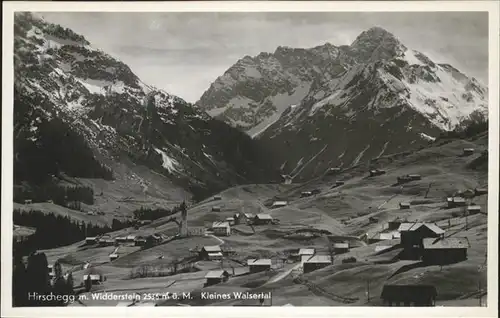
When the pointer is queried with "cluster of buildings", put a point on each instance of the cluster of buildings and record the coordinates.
(137, 240)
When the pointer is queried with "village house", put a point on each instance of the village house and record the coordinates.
(316, 262)
(341, 248)
(440, 251)
(221, 228)
(216, 209)
(230, 220)
(259, 265)
(404, 205)
(481, 191)
(454, 202)
(216, 277)
(468, 151)
(94, 278)
(196, 231)
(412, 234)
(279, 204)
(91, 240)
(262, 218)
(305, 194)
(130, 238)
(212, 252)
(139, 241)
(113, 256)
(473, 209)
(217, 198)
(121, 239)
(408, 295)
(305, 254)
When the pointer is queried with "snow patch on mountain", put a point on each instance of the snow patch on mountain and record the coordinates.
(168, 163)
(427, 137)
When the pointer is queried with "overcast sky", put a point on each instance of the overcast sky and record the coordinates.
(184, 53)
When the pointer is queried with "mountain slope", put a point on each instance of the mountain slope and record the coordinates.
(344, 104)
(82, 113)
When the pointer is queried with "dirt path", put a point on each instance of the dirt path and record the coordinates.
(283, 275)
(217, 238)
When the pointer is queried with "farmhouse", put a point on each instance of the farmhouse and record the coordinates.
(481, 191)
(468, 151)
(376, 172)
(305, 254)
(473, 209)
(230, 220)
(279, 204)
(216, 209)
(91, 240)
(139, 241)
(340, 248)
(445, 250)
(306, 194)
(221, 228)
(113, 256)
(262, 218)
(407, 295)
(455, 202)
(216, 277)
(259, 265)
(404, 205)
(316, 262)
(196, 231)
(94, 278)
(212, 252)
(412, 234)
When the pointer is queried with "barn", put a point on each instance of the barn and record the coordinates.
(216, 277)
(473, 209)
(316, 262)
(221, 228)
(440, 251)
(404, 205)
(216, 208)
(212, 252)
(408, 295)
(259, 265)
(262, 218)
(341, 248)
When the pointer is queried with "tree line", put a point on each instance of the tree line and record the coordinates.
(153, 214)
(61, 195)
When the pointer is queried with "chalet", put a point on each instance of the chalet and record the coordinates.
(196, 231)
(473, 209)
(113, 257)
(213, 252)
(216, 277)
(217, 198)
(28, 201)
(262, 218)
(279, 204)
(94, 278)
(331, 171)
(376, 172)
(230, 220)
(306, 194)
(216, 209)
(259, 265)
(221, 228)
(340, 248)
(91, 240)
(130, 238)
(468, 151)
(305, 254)
(121, 239)
(448, 250)
(139, 241)
(455, 202)
(316, 262)
(407, 295)
(412, 234)
(481, 191)
(404, 205)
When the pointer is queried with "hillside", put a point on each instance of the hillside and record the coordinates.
(84, 119)
(343, 213)
(332, 106)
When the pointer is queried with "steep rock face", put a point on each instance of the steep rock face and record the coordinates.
(64, 86)
(348, 103)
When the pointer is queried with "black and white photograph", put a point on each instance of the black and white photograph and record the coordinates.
(251, 158)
